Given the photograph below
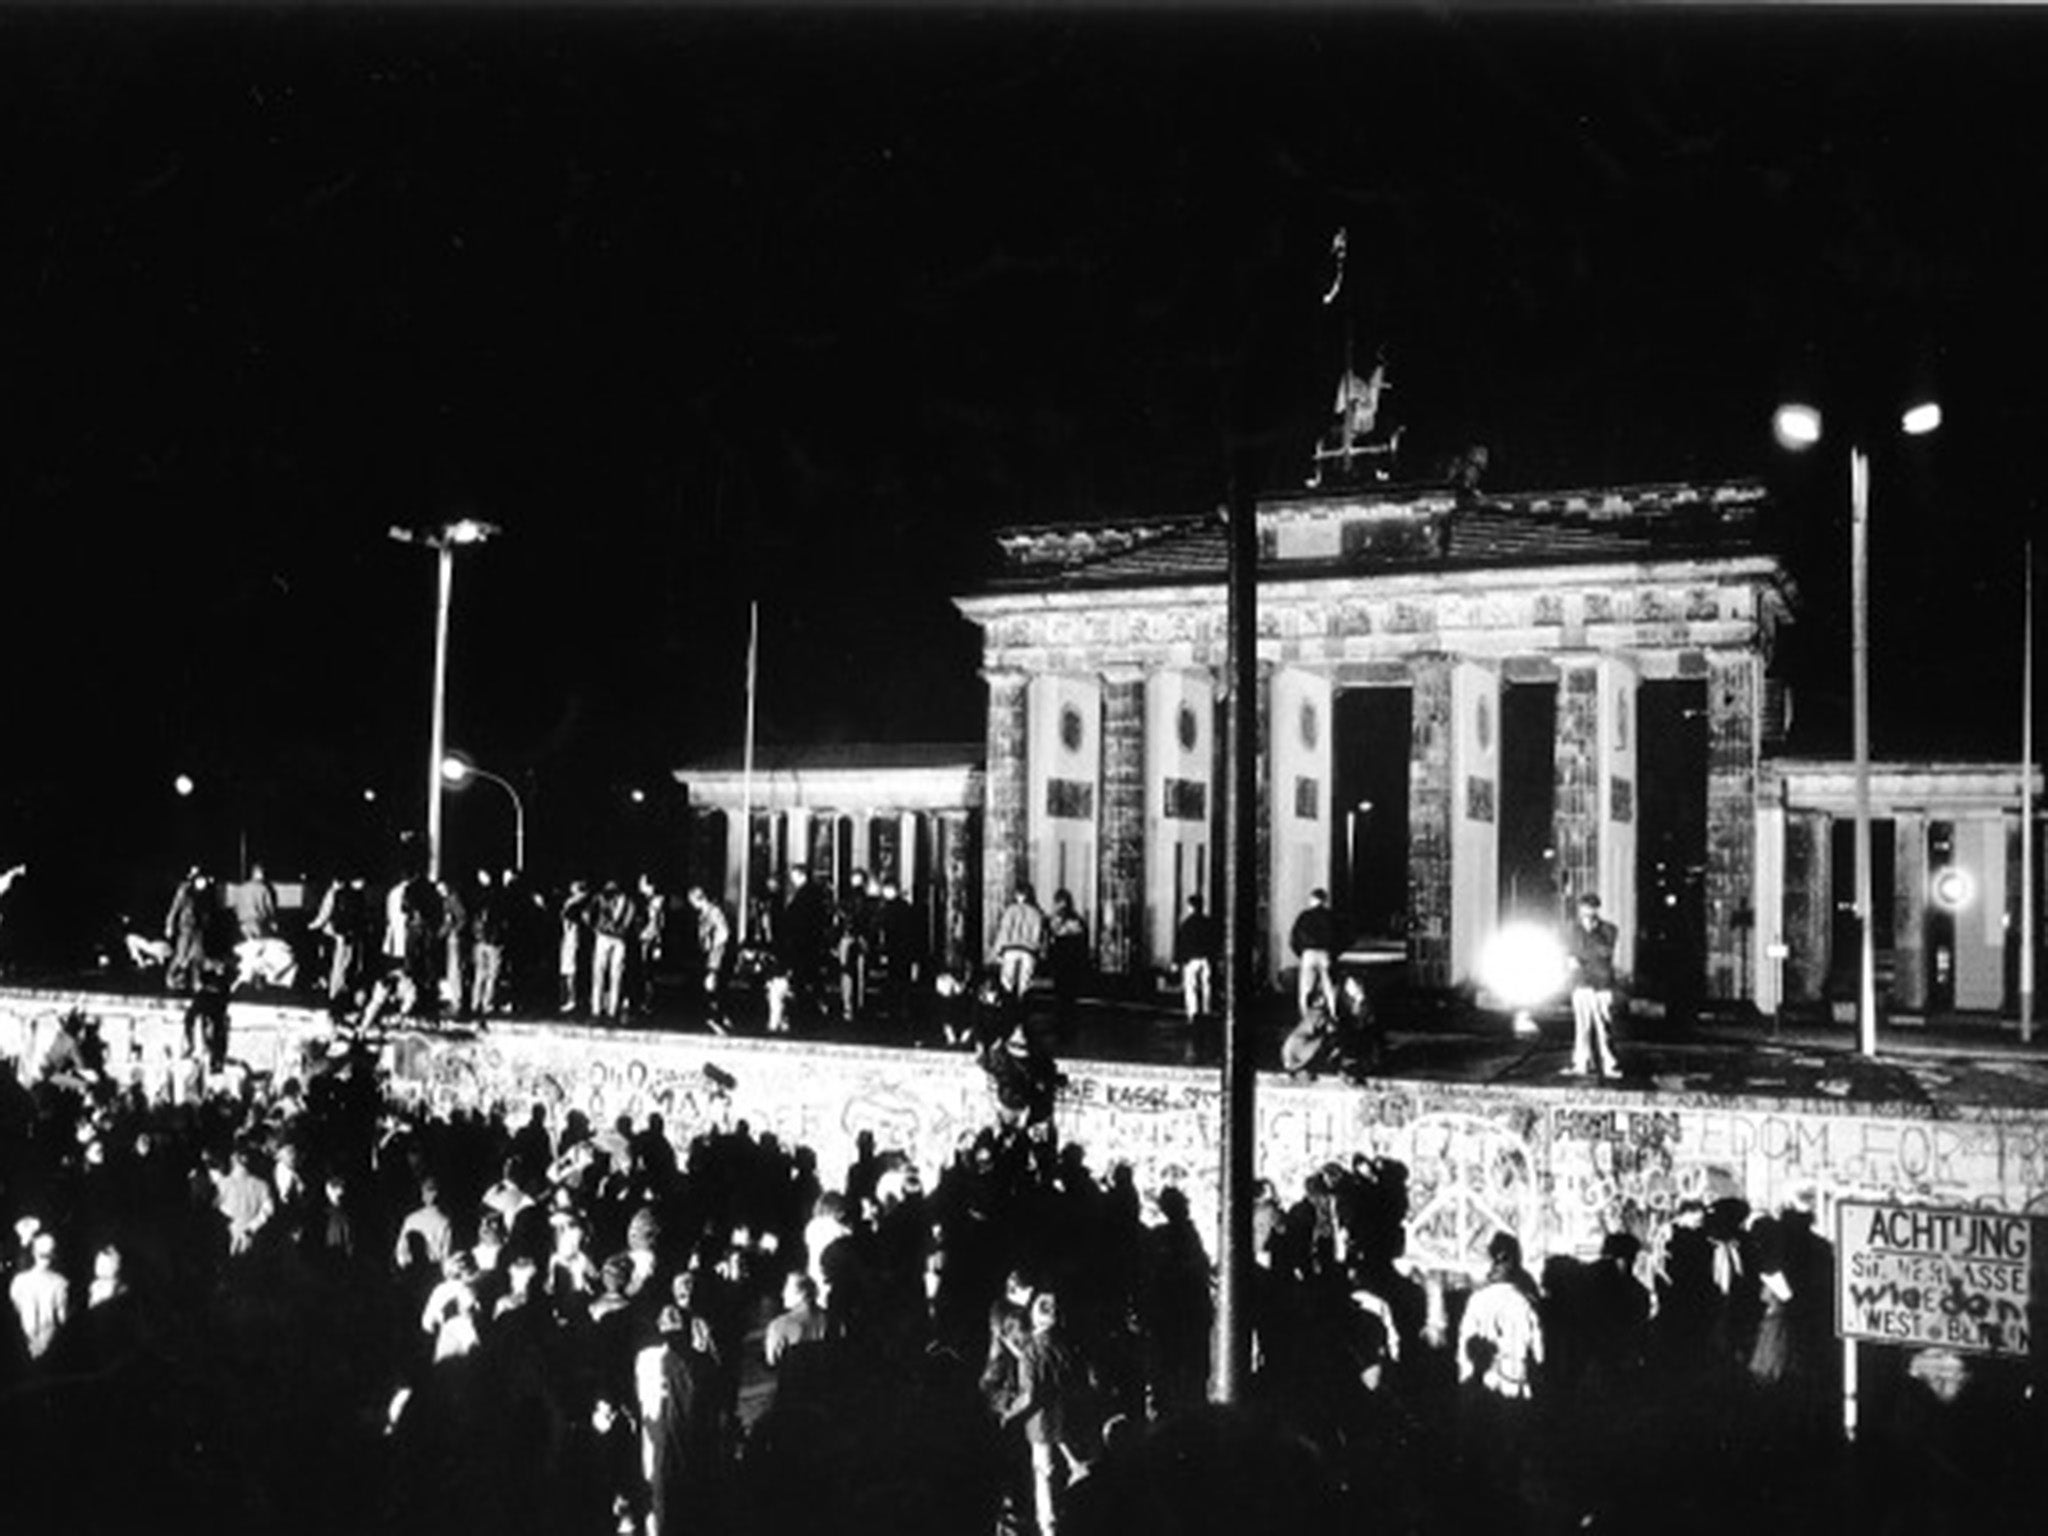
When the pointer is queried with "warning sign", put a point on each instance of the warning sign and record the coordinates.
(1918, 1276)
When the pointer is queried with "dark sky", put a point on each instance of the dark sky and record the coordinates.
(701, 307)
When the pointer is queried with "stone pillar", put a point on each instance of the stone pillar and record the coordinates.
(1429, 822)
(738, 840)
(1007, 824)
(1770, 907)
(1266, 957)
(1734, 744)
(1575, 825)
(1909, 911)
(959, 925)
(1594, 825)
(1475, 814)
(1809, 905)
(1120, 922)
(797, 845)
(1298, 811)
(908, 871)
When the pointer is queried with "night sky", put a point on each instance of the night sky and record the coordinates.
(701, 307)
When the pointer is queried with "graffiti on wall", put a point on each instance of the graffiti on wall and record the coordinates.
(1542, 1162)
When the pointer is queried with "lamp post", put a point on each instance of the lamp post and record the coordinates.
(1798, 427)
(444, 540)
(457, 770)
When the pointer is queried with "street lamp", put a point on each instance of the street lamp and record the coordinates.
(457, 770)
(1798, 427)
(444, 540)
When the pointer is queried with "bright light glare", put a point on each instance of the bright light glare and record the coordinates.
(454, 770)
(1954, 889)
(1523, 965)
(1921, 419)
(1796, 426)
(639, 797)
(468, 531)
(183, 784)
(369, 797)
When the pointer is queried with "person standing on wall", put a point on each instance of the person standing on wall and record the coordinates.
(1590, 954)
(1196, 943)
(1020, 941)
(1314, 941)
(1067, 960)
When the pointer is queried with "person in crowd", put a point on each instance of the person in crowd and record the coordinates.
(683, 1424)
(574, 918)
(206, 1008)
(803, 930)
(613, 922)
(801, 1321)
(852, 945)
(254, 903)
(245, 1200)
(1020, 941)
(455, 941)
(490, 923)
(9, 878)
(1589, 955)
(192, 929)
(41, 1296)
(650, 944)
(1197, 945)
(899, 956)
(714, 955)
(343, 920)
(1500, 1338)
(1314, 942)
(423, 943)
(427, 1235)
(1053, 1402)
(1067, 960)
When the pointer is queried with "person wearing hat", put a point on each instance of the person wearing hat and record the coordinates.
(1590, 956)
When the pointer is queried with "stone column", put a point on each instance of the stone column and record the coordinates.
(1120, 921)
(1266, 960)
(1006, 828)
(1429, 822)
(1809, 904)
(1575, 825)
(959, 926)
(1734, 743)
(1909, 911)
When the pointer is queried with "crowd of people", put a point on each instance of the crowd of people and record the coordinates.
(468, 950)
(313, 1304)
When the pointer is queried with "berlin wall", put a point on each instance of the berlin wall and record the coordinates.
(1558, 1166)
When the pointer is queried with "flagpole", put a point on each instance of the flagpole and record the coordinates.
(2027, 806)
(747, 767)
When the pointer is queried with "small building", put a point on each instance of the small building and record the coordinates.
(908, 814)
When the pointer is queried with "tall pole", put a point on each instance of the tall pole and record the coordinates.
(1859, 564)
(747, 766)
(446, 552)
(2027, 807)
(1241, 892)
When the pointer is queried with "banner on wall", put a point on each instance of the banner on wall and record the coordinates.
(1929, 1277)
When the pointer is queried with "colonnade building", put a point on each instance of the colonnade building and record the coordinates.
(1468, 707)
(1471, 708)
